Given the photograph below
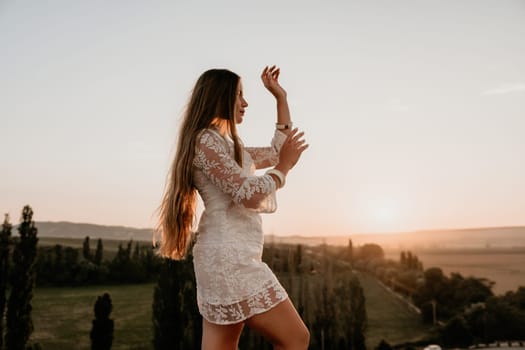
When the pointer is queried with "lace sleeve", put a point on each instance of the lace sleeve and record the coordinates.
(264, 157)
(214, 160)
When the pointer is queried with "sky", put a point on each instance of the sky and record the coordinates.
(414, 110)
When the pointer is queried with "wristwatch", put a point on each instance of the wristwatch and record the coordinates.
(283, 126)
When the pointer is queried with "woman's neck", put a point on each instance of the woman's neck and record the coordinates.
(222, 126)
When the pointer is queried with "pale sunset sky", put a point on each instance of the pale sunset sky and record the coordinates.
(414, 110)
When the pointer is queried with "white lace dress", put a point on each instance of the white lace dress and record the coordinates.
(233, 283)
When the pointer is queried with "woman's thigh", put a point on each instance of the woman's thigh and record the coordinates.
(220, 337)
(282, 326)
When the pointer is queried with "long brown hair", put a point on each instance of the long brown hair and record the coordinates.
(213, 96)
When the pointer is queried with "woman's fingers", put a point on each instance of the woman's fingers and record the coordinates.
(271, 72)
(270, 79)
(301, 146)
(295, 139)
(293, 147)
(300, 142)
(298, 136)
(264, 74)
(290, 135)
(294, 136)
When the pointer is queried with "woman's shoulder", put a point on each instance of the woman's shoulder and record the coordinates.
(210, 137)
(207, 133)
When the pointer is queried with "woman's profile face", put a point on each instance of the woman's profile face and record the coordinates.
(240, 104)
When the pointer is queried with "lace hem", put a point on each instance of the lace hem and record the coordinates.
(265, 300)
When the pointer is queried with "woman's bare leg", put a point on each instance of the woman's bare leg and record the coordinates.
(220, 337)
(282, 326)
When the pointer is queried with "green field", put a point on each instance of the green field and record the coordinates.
(388, 317)
(62, 316)
(505, 267)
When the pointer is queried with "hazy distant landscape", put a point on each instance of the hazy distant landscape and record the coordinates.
(497, 253)
(64, 229)
(493, 237)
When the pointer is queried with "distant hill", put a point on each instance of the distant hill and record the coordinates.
(65, 229)
(491, 237)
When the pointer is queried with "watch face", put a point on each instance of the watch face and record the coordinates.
(283, 126)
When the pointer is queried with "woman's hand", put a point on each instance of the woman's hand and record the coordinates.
(291, 151)
(270, 78)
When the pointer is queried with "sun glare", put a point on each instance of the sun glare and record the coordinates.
(383, 214)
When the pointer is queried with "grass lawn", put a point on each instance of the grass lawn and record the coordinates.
(388, 317)
(62, 316)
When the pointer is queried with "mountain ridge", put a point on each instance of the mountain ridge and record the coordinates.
(481, 237)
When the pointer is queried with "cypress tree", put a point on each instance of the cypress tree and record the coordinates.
(403, 259)
(176, 320)
(351, 313)
(359, 316)
(325, 318)
(86, 250)
(128, 250)
(5, 238)
(99, 253)
(350, 252)
(59, 266)
(102, 331)
(18, 320)
(136, 252)
(410, 260)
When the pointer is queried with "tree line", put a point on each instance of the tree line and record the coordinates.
(67, 266)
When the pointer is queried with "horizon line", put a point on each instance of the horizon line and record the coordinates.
(333, 235)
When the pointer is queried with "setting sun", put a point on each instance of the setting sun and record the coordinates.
(383, 213)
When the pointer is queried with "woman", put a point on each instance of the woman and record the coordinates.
(234, 287)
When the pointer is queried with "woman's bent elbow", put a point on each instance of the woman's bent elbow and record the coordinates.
(252, 203)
